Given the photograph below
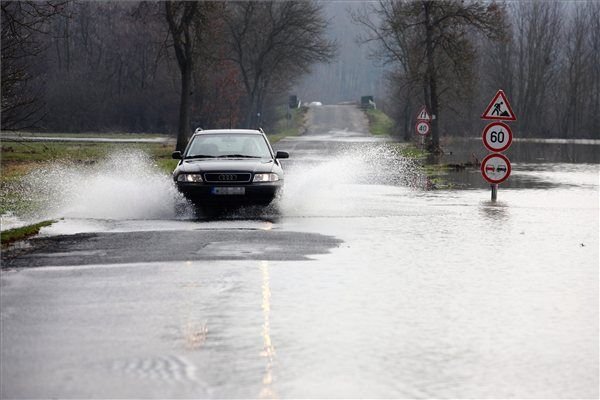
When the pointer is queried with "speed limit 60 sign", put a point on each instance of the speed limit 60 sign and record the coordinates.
(497, 137)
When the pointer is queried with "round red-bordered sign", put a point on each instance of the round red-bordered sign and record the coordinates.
(497, 137)
(495, 168)
(423, 128)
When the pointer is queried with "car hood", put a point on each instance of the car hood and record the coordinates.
(229, 164)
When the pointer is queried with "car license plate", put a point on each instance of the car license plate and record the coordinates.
(229, 190)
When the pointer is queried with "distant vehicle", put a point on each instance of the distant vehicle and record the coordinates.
(315, 104)
(293, 101)
(367, 102)
(501, 168)
(229, 167)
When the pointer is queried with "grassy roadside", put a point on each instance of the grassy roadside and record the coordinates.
(18, 158)
(109, 135)
(22, 233)
(379, 123)
(284, 127)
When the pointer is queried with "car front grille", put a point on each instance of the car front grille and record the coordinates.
(227, 177)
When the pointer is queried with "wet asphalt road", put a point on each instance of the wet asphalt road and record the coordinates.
(359, 284)
(144, 247)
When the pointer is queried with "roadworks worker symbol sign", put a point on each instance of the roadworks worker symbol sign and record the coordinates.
(423, 115)
(499, 108)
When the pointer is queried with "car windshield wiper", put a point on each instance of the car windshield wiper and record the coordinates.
(199, 156)
(237, 156)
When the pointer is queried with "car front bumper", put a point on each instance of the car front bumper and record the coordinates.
(203, 194)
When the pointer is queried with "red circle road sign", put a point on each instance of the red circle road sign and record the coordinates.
(423, 127)
(497, 137)
(495, 168)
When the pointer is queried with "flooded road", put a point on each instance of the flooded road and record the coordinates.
(360, 283)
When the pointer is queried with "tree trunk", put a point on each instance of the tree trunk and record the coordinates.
(181, 31)
(407, 120)
(250, 113)
(184, 108)
(431, 78)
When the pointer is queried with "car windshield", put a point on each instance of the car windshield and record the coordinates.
(228, 146)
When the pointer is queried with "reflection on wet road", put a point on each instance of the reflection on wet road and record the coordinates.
(269, 351)
(358, 284)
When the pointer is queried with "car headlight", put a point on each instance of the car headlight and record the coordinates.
(265, 178)
(189, 178)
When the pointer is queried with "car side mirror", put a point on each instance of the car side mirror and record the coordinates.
(176, 155)
(282, 154)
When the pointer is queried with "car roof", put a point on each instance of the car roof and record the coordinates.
(228, 131)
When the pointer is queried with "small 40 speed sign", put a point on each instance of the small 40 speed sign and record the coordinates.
(497, 137)
(423, 128)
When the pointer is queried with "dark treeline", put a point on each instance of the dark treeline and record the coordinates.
(96, 67)
(76, 66)
(453, 56)
(127, 66)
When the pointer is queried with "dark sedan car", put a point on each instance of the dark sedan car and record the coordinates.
(229, 166)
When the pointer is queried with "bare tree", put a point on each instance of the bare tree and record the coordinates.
(537, 29)
(576, 73)
(273, 43)
(107, 69)
(217, 84)
(180, 16)
(387, 25)
(592, 106)
(24, 23)
(430, 40)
